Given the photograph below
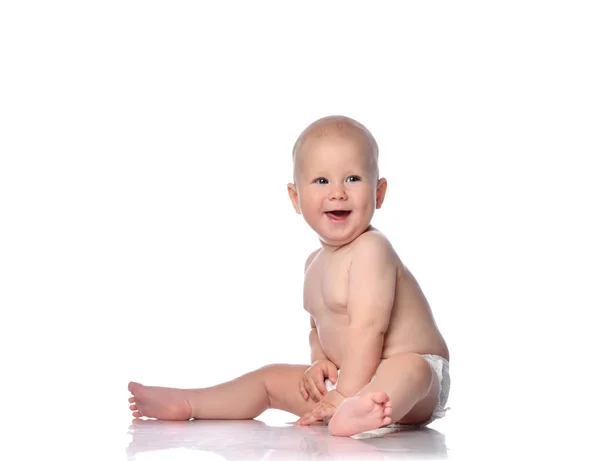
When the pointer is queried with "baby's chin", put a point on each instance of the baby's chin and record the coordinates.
(332, 241)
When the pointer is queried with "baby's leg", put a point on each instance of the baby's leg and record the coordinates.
(404, 390)
(272, 386)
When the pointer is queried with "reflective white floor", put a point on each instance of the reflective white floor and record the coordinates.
(256, 440)
(89, 423)
(274, 437)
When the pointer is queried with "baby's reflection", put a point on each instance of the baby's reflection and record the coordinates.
(255, 440)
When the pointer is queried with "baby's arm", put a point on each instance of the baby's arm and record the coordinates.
(371, 291)
(316, 351)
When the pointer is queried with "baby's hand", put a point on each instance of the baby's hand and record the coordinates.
(322, 412)
(312, 383)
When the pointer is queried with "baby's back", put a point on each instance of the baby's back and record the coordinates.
(411, 327)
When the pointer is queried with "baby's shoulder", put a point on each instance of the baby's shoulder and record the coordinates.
(373, 247)
(311, 258)
(373, 240)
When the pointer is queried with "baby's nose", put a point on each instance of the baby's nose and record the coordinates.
(337, 193)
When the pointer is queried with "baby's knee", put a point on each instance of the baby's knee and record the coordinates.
(277, 372)
(271, 369)
(417, 367)
(424, 371)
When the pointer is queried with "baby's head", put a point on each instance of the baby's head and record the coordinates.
(336, 178)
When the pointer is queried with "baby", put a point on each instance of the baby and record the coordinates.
(377, 355)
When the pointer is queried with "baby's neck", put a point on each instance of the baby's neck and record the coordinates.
(330, 248)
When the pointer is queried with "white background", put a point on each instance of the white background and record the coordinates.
(146, 232)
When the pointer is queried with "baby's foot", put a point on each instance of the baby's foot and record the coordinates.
(361, 413)
(159, 402)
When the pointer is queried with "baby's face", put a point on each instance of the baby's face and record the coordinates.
(336, 188)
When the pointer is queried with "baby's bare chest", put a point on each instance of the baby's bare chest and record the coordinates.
(326, 289)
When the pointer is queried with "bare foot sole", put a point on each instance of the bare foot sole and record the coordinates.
(361, 413)
(159, 402)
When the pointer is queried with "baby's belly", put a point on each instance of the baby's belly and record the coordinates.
(398, 340)
(333, 342)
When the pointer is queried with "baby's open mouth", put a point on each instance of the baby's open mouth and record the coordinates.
(338, 215)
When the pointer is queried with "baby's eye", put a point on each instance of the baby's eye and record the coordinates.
(353, 178)
(321, 181)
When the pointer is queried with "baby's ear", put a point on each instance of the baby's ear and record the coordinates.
(293, 193)
(381, 190)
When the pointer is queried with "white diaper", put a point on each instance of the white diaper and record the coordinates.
(441, 367)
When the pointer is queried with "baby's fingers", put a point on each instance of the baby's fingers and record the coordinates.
(306, 384)
(332, 372)
(306, 420)
(314, 391)
(321, 387)
(303, 390)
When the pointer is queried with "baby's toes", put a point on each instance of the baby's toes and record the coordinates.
(131, 399)
(387, 411)
(380, 397)
(132, 407)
